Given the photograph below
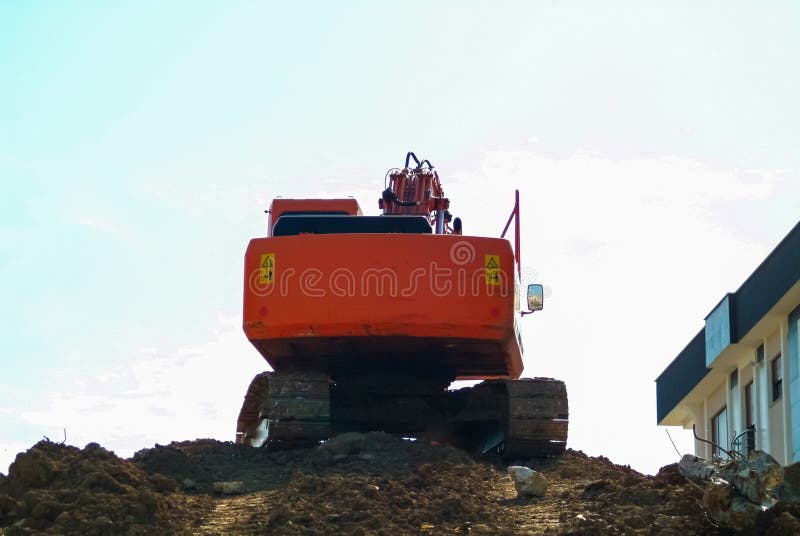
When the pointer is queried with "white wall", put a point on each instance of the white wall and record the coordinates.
(735, 414)
(772, 419)
(763, 397)
(776, 431)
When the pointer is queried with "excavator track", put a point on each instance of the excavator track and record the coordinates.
(525, 418)
(519, 419)
(250, 415)
(298, 409)
(295, 406)
(536, 422)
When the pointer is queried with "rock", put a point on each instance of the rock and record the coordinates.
(188, 484)
(696, 469)
(528, 483)
(755, 477)
(229, 488)
(718, 497)
(725, 506)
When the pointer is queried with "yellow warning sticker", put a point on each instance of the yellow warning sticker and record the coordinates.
(492, 265)
(266, 273)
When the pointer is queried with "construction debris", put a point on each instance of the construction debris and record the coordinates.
(738, 491)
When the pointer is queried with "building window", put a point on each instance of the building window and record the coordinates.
(749, 416)
(719, 432)
(777, 377)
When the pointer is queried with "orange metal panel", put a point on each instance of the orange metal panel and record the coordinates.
(281, 206)
(384, 301)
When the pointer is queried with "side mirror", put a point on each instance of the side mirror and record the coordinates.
(535, 298)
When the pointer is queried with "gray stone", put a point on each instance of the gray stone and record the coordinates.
(528, 483)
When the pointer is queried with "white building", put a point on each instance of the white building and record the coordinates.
(738, 380)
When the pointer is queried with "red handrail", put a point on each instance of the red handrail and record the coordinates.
(515, 216)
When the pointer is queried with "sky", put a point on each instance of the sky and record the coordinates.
(655, 146)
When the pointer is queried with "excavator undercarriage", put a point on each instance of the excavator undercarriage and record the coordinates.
(516, 418)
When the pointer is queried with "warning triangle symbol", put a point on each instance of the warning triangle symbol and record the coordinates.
(492, 263)
(267, 263)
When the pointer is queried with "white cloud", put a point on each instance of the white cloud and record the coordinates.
(163, 395)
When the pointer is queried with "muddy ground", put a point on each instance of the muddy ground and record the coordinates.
(354, 484)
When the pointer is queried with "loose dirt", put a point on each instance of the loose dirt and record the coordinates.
(354, 484)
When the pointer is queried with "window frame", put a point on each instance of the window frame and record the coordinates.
(776, 377)
(749, 406)
(715, 439)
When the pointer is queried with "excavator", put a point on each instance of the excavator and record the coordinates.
(366, 321)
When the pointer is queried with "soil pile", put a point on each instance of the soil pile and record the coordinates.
(57, 489)
(353, 484)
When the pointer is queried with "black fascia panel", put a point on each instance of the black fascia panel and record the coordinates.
(681, 376)
(769, 282)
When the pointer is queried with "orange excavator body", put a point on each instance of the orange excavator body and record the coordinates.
(347, 303)
(366, 320)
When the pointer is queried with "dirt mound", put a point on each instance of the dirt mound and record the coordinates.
(198, 464)
(57, 489)
(445, 498)
(380, 484)
(353, 484)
